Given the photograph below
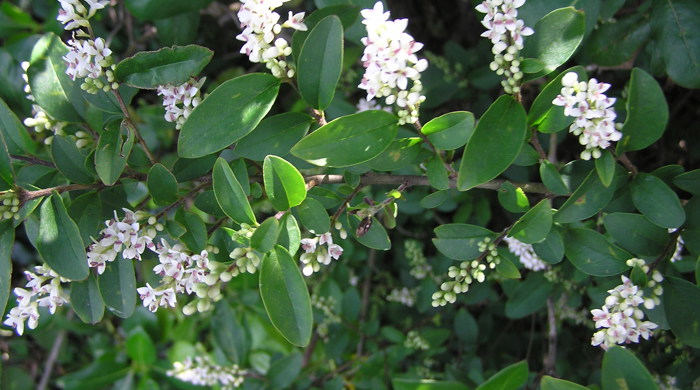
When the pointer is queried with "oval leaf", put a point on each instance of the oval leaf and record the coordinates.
(265, 236)
(495, 144)
(588, 199)
(593, 254)
(69, 160)
(230, 112)
(274, 135)
(535, 224)
(682, 311)
(657, 201)
(7, 239)
(284, 185)
(545, 116)
(170, 65)
(86, 300)
(313, 216)
(112, 152)
(634, 232)
(622, 370)
(229, 194)
(349, 140)
(450, 131)
(509, 378)
(459, 241)
(118, 287)
(162, 185)
(59, 242)
(320, 62)
(647, 112)
(285, 297)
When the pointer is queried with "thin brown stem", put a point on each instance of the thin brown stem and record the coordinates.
(551, 356)
(345, 203)
(552, 155)
(438, 153)
(51, 359)
(130, 123)
(25, 196)
(538, 147)
(206, 181)
(366, 289)
(628, 164)
(33, 160)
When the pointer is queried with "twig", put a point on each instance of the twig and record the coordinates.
(628, 164)
(51, 359)
(309, 350)
(538, 146)
(552, 156)
(25, 195)
(551, 356)
(206, 181)
(419, 130)
(670, 246)
(33, 160)
(131, 124)
(365, 298)
(345, 203)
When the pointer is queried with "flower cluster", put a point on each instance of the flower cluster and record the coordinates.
(261, 31)
(180, 100)
(621, 317)
(678, 252)
(316, 254)
(9, 205)
(367, 105)
(181, 272)
(390, 63)
(467, 272)
(526, 253)
(43, 289)
(506, 32)
(420, 268)
(245, 258)
(404, 296)
(415, 341)
(123, 236)
(41, 120)
(595, 117)
(203, 372)
(326, 306)
(88, 57)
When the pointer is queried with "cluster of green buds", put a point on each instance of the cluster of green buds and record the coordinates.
(640, 277)
(9, 207)
(326, 306)
(245, 258)
(93, 86)
(415, 341)
(467, 272)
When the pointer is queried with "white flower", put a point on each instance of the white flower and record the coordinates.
(391, 63)
(595, 116)
(180, 100)
(404, 296)
(87, 58)
(202, 371)
(261, 28)
(526, 254)
(315, 253)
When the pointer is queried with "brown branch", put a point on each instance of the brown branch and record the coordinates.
(538, 146)
(345, 203)
(551, 356)
(628, 164)
(131, 124)
(33, 160)
(552, 156)
(206, 181)
(25, 195)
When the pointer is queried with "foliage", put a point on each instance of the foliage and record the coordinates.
(181, 208)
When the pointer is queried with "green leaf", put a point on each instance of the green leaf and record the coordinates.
(507, 269)
(86, 300)
(657, 201)
(86, 211)
(557, 36)
(593, 254)
(547, 117)
(509, 378)
(436, 199)
(437, 173)
(588, 199)
(530, 296)
(460, 241)
(140, 347)
(13, 131)
(551, 250)
(689, 181)
(647, 112)
(265, 236)
(154, 9)
(7, 174)
(348, 140)
(348, 14)
(53, 90)
(401, 153)
(622, 370)
(169, 65)
(320, 62)
(230, 195)
(103, 371)
(552, 179)
(313, 216)
(375, 238)
(535, 224)
(682, 311)
(7, 240)
(69, 160)
(230, 336)
(274, 135)
(230, 112)
(186, 169)
(450, 131)
(162, 185)
(550, 383)
(426, 384)
(634, 232)
(59, 242)
(285, 370)
(495, 144)
(285, 297)
(284, 185)
(195, 235)
(615, 42)
(118, 287)
(290, 236)
(513, 198)
(605, 167)
(112, 152)
(677, 33)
